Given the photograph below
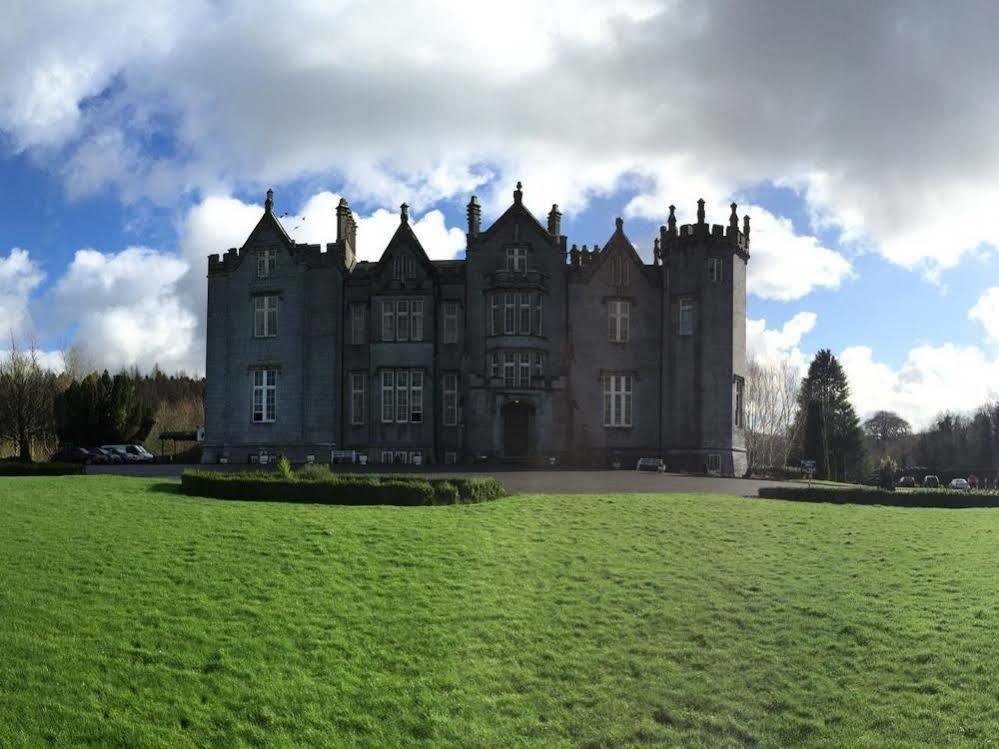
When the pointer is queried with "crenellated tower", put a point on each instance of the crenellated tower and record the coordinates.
(703, 269)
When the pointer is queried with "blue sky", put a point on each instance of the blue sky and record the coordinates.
(130, 151)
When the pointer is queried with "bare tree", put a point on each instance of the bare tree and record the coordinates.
(26, 392)
(771, 402)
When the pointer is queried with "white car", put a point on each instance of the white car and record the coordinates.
(959, 484)
(132, 453)
(651, 464)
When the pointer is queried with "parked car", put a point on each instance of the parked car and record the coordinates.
(931, 482)
(132, 453)
(73, 455)
(110, 456)
(906, 481)
(959, 484)
(651, 464)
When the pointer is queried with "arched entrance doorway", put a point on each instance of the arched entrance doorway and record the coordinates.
(517, 418)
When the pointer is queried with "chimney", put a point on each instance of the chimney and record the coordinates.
(554, 221)
(733, 221)
(745, 228)
(474, 212)
(518, 194)
(404, 213)
(269, 202)
(700, 211)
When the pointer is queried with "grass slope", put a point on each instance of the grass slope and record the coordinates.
(133, 616)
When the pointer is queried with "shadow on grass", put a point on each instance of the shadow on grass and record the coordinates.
(919, 498)
(166, 487)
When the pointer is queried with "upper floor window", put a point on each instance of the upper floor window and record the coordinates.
(403, 266)
(265, 316)
(402, 319)
(266, 262)
(685, 321)
(619, 271)
(618, 320)
(450, 322)
(402, 395)
(516, 259)
(714, 269)
(358, 313)
(617, 400)
(264, 395)
(515, 313)
(449, 387)
(516, 367)
(358, 397)
(740, 402)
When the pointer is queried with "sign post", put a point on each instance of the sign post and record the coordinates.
(809, 467)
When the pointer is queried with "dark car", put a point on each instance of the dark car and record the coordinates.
(907, 481)
(110, 456)
(73, 455)
(931, 482)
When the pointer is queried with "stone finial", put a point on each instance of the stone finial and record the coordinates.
(671, 223)
(404, 213)
(733, 221)
(657, 252)
(518, 194)
(474, 212)
(554, 221)
(619, 223)
(596, 249)
(269, 202)
(745, 227)
(700, 211)
(343, 221)
(574, 255)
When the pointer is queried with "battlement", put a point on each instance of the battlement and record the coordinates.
(673, 236)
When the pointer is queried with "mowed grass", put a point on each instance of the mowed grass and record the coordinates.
(134, 616)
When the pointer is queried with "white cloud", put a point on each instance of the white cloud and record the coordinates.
(20, 276)
(128, 308)
(931, 380)
(773, 345)
(986, 311)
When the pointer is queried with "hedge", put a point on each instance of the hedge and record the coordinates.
(869, 495)
(341, 488)
(41, 469)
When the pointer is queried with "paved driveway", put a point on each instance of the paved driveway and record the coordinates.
(527, 482)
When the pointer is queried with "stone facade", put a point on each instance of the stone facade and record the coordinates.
(525, 351)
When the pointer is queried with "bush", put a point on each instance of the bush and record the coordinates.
(339, 488)
(314, 472)
(284, 467)
(41, 469)
(779, 473)
(866, 495)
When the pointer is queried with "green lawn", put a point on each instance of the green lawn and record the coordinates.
(133, 616)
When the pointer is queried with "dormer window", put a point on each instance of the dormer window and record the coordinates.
(266, 262)
(516, 259)
(619, 271)
(403, 267)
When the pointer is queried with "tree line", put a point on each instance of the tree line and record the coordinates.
(40, 410)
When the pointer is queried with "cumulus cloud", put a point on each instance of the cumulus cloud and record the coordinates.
(986, 311)
(780, 344)
(128, 308)
(932, 379)
(20, 276)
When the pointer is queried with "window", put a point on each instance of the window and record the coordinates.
(388, 396)
(357, 332)
(714, 269)
(266, 262)
(264, 395)
(358, 397)
(402, 396)
(402, 319)
(619, 271)
(450, 322)
(516, 259)
(617, 400)
(403, 267)
(388, 319)
(618, 320)
(523, 369)
(450, 458)
(450, 388)
(514, 313)
(494, 364)
(387, 456)
(714, 463)
(525, 314)
(509, 313)
(494, 315)
(265, 316)
(509, 370)
(686, 320)
(416, 320)
(518, 367)
(537, 314)
(740, 409)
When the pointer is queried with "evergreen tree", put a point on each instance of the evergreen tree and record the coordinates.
(830, 431)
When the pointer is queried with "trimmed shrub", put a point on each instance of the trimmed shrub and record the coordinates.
(314, 472)
(869, 495)
(41, 469)
(284, 467)
(339, 488)
(777, 472)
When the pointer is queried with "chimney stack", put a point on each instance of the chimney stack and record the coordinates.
(474, 212)
(554, 221)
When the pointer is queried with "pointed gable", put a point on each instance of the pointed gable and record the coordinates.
(404, 242)
(617, 247)
(268, 230)
(519, 217)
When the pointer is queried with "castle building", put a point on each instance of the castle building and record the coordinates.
(525, 350)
